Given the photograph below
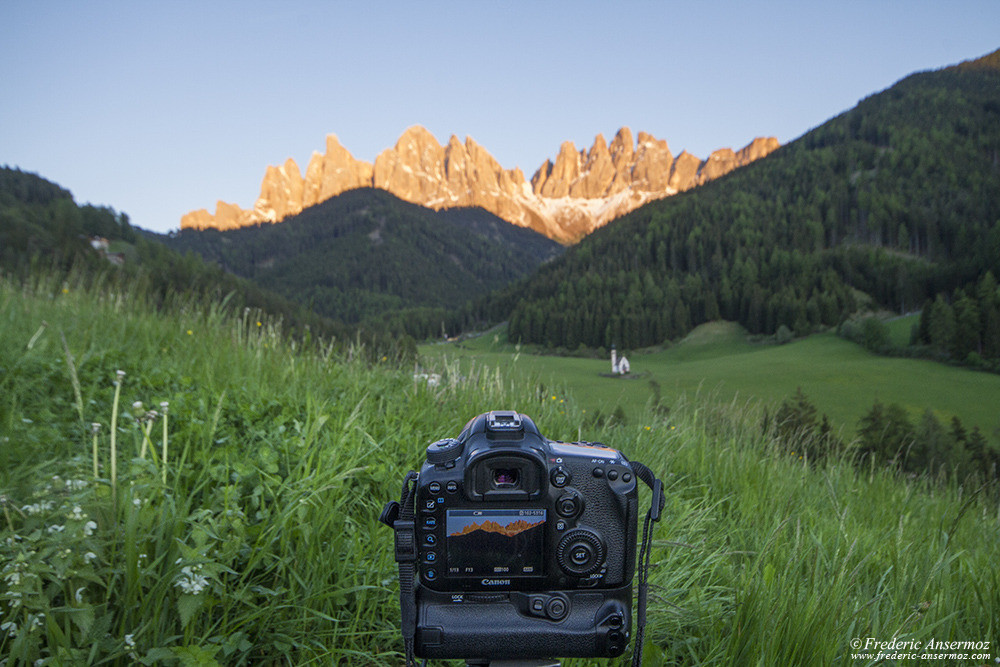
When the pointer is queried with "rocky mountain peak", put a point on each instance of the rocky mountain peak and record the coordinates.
(565, 200)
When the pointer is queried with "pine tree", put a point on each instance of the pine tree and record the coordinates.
(967, 327)
(941, 325)
(885, 433)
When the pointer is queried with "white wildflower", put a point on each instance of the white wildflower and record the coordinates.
(89, 528)
(79, 594)
(36, 621)
(89, 557)
(130, 641)
(55, 529)
(136, 502)
(77, 513)
(10, 627)
(191, 583)
(76, 484)
(13, 579)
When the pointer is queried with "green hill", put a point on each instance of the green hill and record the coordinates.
(42, 229)
(887, 205)
(242, 527)
(366, 252)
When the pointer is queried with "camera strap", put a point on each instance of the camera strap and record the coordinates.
(399, 517)
(656, 505)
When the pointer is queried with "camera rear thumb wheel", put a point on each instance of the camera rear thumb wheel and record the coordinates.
(580, 553)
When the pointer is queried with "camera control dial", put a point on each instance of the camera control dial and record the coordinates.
(444, 451)
(580, 552)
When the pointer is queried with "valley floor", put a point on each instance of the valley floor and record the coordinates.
(716, 360)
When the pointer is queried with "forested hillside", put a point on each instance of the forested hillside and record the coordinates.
(888, 205)
(42, 229)
(366, 252)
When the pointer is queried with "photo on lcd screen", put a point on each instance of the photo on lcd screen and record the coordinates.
(495, 542)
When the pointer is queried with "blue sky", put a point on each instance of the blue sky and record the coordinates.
(158, 108)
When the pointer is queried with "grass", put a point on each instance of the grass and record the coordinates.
(263, 547)
(841, 378)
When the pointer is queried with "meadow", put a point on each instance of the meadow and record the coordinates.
(718, 362)
(240, 527)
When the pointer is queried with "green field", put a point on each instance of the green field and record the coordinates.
(242, 528)
(716, 362)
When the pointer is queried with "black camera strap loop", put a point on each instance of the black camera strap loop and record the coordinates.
(656, 505)
(399, 517)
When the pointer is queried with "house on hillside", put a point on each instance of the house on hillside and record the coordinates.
(101, 245)
(619, 365)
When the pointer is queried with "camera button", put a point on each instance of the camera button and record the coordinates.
(452, 487)
(430, 522)
(434, 487)
(430, 539)
(538, 605)
(560, 477)
(430, 557)
(598, 472)
(560, 525)
(557, 609)
(430, 574)
(627, 477)
(612, 475)
(430, 504)
(567, 506)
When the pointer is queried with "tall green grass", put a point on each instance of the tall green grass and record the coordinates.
(263, 547)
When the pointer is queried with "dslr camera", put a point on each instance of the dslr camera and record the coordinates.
(512, 546)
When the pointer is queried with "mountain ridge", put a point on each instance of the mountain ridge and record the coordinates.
(365, 252)
(565, 199)
(889, 204)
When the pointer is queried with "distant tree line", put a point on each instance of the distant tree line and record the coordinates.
(886, 437)
(964, 326)
(959, 328)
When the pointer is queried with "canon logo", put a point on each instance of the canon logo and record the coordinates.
(496, 582)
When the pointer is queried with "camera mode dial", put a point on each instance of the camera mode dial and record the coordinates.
(444, 451)
(580, 553)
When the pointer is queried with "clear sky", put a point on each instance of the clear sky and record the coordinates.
(159, 108)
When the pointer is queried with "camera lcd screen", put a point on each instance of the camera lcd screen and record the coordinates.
(495, 542)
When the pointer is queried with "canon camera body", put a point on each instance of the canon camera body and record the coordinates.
(525, 547)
